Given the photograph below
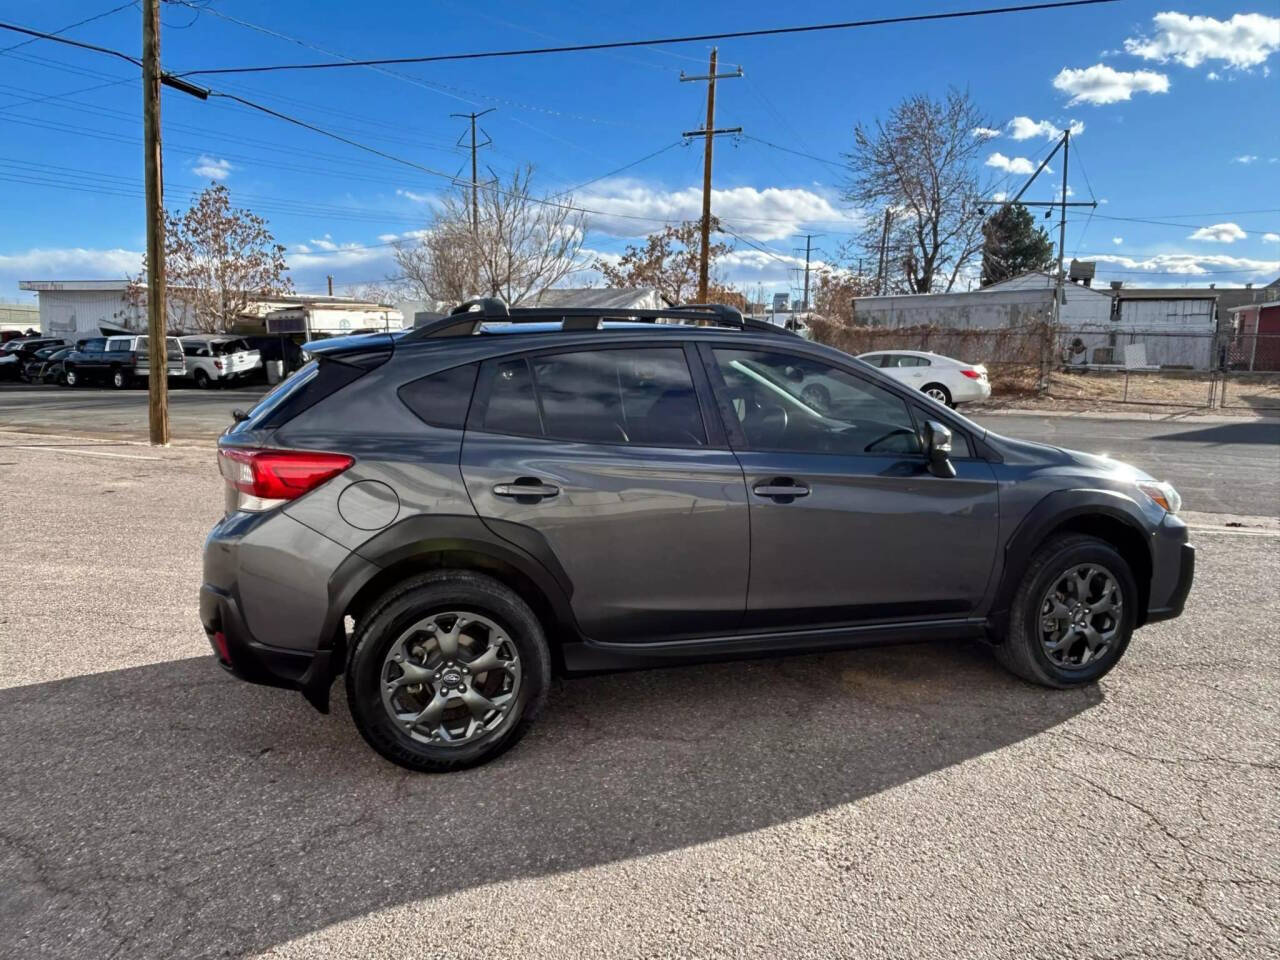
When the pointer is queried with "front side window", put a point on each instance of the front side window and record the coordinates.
(637, 396)
(796, 404)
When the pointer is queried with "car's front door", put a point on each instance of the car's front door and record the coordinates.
(605, 455)
(847, 523)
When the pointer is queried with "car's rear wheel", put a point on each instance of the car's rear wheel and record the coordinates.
(119, 379)
(938, 392)
(202, 380)
(71, 378)
(1073, 614)
(447, 671)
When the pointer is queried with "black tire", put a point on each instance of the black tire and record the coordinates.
(399, 608)
(939, 392)
(70, 377)
(119, 379)
(202, 379)
(1023, 653)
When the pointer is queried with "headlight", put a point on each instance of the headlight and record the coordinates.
(1162, 493)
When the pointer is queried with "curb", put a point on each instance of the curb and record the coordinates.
(1136, 415)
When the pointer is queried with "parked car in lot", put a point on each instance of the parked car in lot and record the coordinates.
(504, 493)
(45, 366)
(16, 354)
(946, 380)
(118, 361)
(219, 359)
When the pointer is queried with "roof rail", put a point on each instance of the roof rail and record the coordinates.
(467, 318)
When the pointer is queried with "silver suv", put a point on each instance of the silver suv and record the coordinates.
(452, 514)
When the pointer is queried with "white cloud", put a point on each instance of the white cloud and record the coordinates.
(1244, 41)
(1246, 158)
(1271, 238)
(1219, 233)
(999, 196)
(1212, 75)
(985, 133)
(211, 167)
(1117, 240)
(1010, 164)
(631, 208)
(1102, 84)
(68, 263)
(1191, 264)
(1024, 128)
(415, 197)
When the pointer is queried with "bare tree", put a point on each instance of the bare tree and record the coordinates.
(521, 245)
(920, 165)
(668, 262)
(218, 260)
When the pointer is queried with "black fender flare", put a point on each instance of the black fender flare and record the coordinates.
(1051, 512)
(510, 544)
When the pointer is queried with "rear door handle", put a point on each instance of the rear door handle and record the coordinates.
(526, 487)
(781, 489)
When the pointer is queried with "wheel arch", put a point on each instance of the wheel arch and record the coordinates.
(422, 544)
(1105, 514)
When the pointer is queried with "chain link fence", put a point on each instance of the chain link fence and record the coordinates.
(1095, 365)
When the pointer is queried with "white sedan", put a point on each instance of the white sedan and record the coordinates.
(947, 381)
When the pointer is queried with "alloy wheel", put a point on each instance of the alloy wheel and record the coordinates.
(1080, 616)
(451, 678)
(936, 394)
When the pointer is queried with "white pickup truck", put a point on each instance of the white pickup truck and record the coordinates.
(219, 358)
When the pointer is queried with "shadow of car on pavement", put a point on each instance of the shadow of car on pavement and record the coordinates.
(171, 811)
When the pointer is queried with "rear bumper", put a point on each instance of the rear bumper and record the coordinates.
(1173, 570)
(243, 656)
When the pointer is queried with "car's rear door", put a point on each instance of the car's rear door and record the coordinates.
(847, 523)
(608, 460)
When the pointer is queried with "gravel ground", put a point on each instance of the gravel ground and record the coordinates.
(900, 802)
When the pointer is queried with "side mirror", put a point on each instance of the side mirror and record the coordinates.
(937, 447)
(239, 416)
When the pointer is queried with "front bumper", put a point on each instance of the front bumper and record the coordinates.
(1173, 570)
(241, 655)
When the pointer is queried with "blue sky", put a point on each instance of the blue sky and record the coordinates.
(1179, 104)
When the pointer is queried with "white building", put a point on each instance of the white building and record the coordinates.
(1020, 301)
(82, 308)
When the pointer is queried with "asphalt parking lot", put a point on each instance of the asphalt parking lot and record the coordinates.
(902, 802)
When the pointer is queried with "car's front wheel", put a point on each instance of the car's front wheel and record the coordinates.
(1073, 614)
(446, 671)
(71, 378)
(119, 379)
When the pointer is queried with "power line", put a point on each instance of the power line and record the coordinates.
(70, 26)
(633, 163)
(42, 35)
(696, 38)
(798, 153)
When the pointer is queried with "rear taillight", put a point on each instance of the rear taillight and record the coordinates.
(262, 479)
(972, 374)
(217, 364)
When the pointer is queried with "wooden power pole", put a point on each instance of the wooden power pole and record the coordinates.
(157, 314)
(708, 132)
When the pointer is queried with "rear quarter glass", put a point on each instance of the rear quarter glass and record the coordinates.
(442, 399)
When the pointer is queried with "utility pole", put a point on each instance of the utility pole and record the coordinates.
(709, 133)
(884, 254)
(1062, 230)
(475, 183)
(808, 240)
(329, 277)
(157, 314)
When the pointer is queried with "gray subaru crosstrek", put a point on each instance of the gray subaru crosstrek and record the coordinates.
(451, 514)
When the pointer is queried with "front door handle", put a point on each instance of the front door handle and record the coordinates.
(781, 489)
(527, 489)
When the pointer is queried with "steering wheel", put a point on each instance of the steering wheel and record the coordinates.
(897, 432)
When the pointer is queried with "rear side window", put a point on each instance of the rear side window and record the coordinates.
(631, 396)
(441, 399)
